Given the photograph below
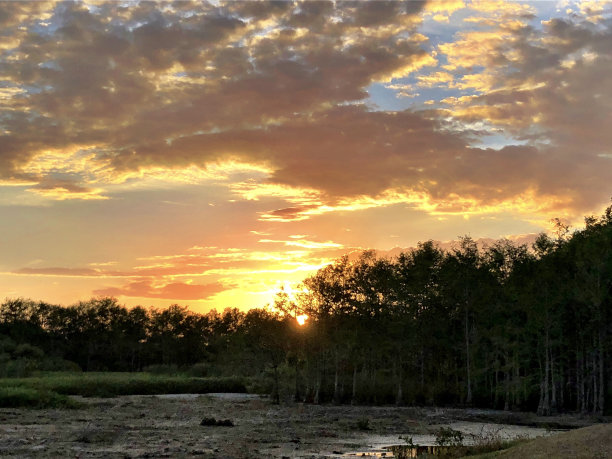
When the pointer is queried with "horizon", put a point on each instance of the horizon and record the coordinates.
(392, 254)
(210, 154)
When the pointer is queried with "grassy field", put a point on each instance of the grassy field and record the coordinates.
(51, 390)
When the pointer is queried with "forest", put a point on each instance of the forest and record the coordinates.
(505, 326)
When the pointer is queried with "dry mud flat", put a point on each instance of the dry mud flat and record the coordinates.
(169, 426)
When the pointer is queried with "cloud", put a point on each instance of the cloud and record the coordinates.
(172, 291)
(201, 273)
(61, 189)
(300, 242)
(546, 87)
(107, 95)
(116, 76)
(59, 271)
(288, 214)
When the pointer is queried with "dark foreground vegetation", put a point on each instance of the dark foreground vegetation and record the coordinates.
(509, 327)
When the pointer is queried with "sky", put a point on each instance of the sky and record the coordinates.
(208, 154)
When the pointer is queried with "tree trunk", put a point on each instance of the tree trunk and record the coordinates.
(275, 389)
(544, 406)
(354, 392)
(296, 395)
(399, 399)
(582, 387)
(317, 391)
(496, 399)
(553, 382)
(422, 355)
(468, 398)
(507, 387)
(601, 401)
(337, 379)
(516, 387)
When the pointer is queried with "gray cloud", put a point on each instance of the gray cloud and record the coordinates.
(279, 83)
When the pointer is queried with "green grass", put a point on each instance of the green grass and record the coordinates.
(113, 384)
(27, 397)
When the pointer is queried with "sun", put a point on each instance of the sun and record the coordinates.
(301, 319)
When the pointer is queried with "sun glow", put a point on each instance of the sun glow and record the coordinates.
(301, 319)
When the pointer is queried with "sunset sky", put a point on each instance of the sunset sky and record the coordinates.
(207, 154)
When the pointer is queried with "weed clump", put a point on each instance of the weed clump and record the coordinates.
(363, 424)
(217, 422)
(446, 436)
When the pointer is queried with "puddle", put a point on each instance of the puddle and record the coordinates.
(234, 396)
(178, 396)
(405, 451)
(369, 454)
(219, 395)
(401, 451)
(387, 445)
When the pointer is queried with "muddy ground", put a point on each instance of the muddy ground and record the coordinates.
(169, 426)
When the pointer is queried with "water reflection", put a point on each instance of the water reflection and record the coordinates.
(406, 451)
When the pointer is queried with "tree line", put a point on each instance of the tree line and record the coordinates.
(507, 326)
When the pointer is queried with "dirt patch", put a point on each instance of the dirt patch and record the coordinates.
(153, 426)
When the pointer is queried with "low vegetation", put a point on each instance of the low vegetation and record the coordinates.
(217, 422)
(28, 397)
(26, 390)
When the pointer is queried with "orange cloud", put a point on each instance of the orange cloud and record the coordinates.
(271, 101)
(172, 291)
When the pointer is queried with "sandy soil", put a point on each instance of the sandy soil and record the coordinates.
(169, 426)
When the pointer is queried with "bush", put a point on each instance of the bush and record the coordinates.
(113, 384)
(446, 436)
(363, 424)
(17, 397)
(27, 351)
(161, 369)
(199, 370)
(7, 345)
(217, 422)
(18, 368)
(55, 364)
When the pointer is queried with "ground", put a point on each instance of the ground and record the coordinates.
(169, 426)
(593, 442)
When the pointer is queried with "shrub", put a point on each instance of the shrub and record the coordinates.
(27, 397)
(199, 370)
(55, 364)
(18, 368)
(161, 369)
(113, 384)
(217, 422)
(27, 351)
(446, 436)
(363, 424)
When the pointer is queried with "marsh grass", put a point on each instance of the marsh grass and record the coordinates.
(113, 384)
(28, 397)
